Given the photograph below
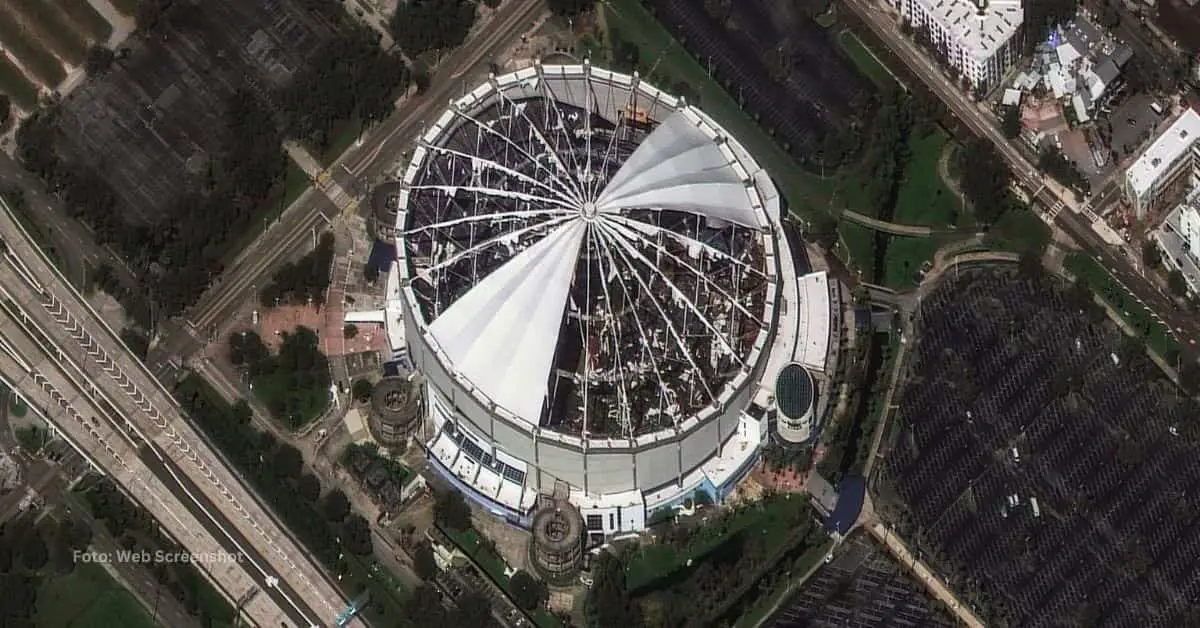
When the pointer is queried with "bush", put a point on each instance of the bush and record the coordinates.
(361, 390)
(450, 510)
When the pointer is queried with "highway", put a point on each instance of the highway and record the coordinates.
(161, 449)
(1076, 221)
(354, 171)
(61, 397)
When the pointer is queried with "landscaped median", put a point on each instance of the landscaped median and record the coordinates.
(1099, 281)
(491, 564)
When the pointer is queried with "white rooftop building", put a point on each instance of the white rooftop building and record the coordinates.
(1179, 240)
(978, 37)
(1159, 177)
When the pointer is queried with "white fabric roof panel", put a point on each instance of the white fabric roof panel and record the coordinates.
(681, 166)
(502, 333)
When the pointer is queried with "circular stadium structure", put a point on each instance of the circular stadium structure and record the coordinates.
(590, 271)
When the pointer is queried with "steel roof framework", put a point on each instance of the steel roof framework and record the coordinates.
(559, 255)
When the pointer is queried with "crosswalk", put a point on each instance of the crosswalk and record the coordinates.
(1053, 210)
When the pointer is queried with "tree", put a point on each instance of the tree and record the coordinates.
(1151, 257)
(528, 592)
(99, 59)
(421, 26)
(986, 182)
(474, 609)
(450, 510)
(287, 461)
(1177, 283)
(1011, 122)
(356, 535)
(349, 331)
(491, 4)
(361, 389)
(1030, 265)
(423, 561)
(335, 506)
(32, 551)
(308, 487)
(426, 603)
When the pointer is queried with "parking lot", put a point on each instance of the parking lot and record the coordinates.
(822, 92)
(1132, 123)
(864, 587)
(1042, 463)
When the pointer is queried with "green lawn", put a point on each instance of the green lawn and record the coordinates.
(924, 199)
(344, 135)
(758, 613)
(654, 563)
(1017, 231)
(865, 60)
(1104, 285)
(88, 597)
(671, 63)
(857, 243)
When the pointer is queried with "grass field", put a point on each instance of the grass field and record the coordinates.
(924, 199)
(670, 62)
(654, 563)
(31, 53)
(865, 60)
(86, 19)
(88, 597)
(471, 544)
(13, 83)
(1018, 231)
(1098, 280)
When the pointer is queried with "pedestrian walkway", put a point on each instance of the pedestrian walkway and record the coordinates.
(324, 181)
(924, 574)
(916, 231)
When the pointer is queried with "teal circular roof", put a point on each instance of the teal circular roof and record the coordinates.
(794, 389)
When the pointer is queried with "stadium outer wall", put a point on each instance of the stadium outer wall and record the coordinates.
(663, 464)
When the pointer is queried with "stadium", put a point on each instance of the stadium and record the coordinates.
(595, 286)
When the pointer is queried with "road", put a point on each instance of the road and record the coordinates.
(54, 393)
(163, 451)
(74, 244)
(354, 171)
(1076, 221)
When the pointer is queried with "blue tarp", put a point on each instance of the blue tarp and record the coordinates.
(382, 256)
(851, 494)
